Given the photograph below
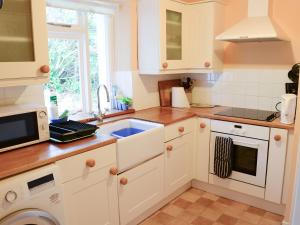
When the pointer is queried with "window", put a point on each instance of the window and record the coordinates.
(79, 53)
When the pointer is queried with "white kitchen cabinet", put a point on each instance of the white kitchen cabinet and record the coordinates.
(276, 164)
(90, 187)
(174, 37)
(162, 36)
(178, 162)
(202, 150)
(23, 43)
(140, 188)
(206, 53)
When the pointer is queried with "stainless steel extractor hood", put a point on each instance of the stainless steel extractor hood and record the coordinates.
(258, 26)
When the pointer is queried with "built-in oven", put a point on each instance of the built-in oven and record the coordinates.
(22, 125)
(249, 151)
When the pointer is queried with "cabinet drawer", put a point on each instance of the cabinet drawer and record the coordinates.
(77, 166)
(178, 129)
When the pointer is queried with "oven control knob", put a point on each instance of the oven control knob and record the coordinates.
(11, 196)
(42, 114)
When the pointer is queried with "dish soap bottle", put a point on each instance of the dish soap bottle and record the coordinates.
(53, 106)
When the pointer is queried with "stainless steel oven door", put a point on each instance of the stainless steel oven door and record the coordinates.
(250, 157)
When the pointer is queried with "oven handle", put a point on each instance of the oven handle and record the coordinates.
(245, 143)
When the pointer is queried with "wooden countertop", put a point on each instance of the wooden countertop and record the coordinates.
(27, 158)
(34, 156)
(168, 115)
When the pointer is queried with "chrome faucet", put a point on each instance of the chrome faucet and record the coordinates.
(100, 113)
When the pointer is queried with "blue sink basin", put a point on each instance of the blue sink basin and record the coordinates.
(126, 132)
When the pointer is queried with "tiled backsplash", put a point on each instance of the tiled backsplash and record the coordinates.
(249, 88)
(22, 95)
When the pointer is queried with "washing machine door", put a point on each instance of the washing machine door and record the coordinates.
(29, 217)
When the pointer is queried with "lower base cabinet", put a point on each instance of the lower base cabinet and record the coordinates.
(140, 188)
(93, 200)
(178, 162)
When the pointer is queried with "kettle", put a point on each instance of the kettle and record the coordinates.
(288, 108)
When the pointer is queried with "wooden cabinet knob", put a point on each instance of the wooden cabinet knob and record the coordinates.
(124, 181)
(169, 148)
(202, 125)
(113, 171)
(45, 69)
(90, 163)
(207, 64)
(277, 137)
(181, 129)
(165, 65)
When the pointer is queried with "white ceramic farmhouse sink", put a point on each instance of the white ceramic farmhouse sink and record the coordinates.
(137, 148)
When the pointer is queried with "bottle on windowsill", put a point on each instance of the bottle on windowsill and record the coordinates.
(53, 107)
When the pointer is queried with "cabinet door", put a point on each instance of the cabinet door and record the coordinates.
(202, 150)
(174, 35)
(276, 165)
(92, 199)
(23, 39)
(178, 162)
(140, 188)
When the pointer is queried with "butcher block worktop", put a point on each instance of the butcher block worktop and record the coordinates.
(34, 156)
(27, 158)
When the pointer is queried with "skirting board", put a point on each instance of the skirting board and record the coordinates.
(159, 205)
(243, 198)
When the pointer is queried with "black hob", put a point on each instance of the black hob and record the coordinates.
(252, 114)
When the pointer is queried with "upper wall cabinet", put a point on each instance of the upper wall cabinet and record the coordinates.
(23, 43)
(206, 21)
(174, 37)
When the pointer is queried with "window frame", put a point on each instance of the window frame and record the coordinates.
(80, 32)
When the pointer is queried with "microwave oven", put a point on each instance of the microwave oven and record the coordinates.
(22, 125)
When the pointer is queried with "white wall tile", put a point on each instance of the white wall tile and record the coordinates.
(250, 88)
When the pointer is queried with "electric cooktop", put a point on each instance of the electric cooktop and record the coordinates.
(252, 114)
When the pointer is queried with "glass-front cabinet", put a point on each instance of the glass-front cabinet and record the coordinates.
(173, 45)
(23, 42)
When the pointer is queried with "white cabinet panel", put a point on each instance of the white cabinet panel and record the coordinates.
(276, 165)
(202, 150)
(92, 199)
(178, 162)
(142, 189)
(23, 43)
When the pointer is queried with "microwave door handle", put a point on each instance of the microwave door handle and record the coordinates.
(245, 143)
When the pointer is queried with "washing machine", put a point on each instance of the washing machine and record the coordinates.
(32, 198)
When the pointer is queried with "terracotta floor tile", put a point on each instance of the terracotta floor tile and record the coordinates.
(196, 191)
(225, 201)
(227, 220)
(172, 210)
(272, 216)
(195, 209)
(243, 223)
(211, 214)
(240, 205)
(256, 211)
(264, 221)
(162, 218)
(191, 197)
(205, 201)
(250, 217)
(187, 216)
(210, 196)
(182, 203)
(202, 221)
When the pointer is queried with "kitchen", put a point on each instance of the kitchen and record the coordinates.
(251, 75)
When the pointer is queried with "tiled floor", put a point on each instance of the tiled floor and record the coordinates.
(197, 207)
